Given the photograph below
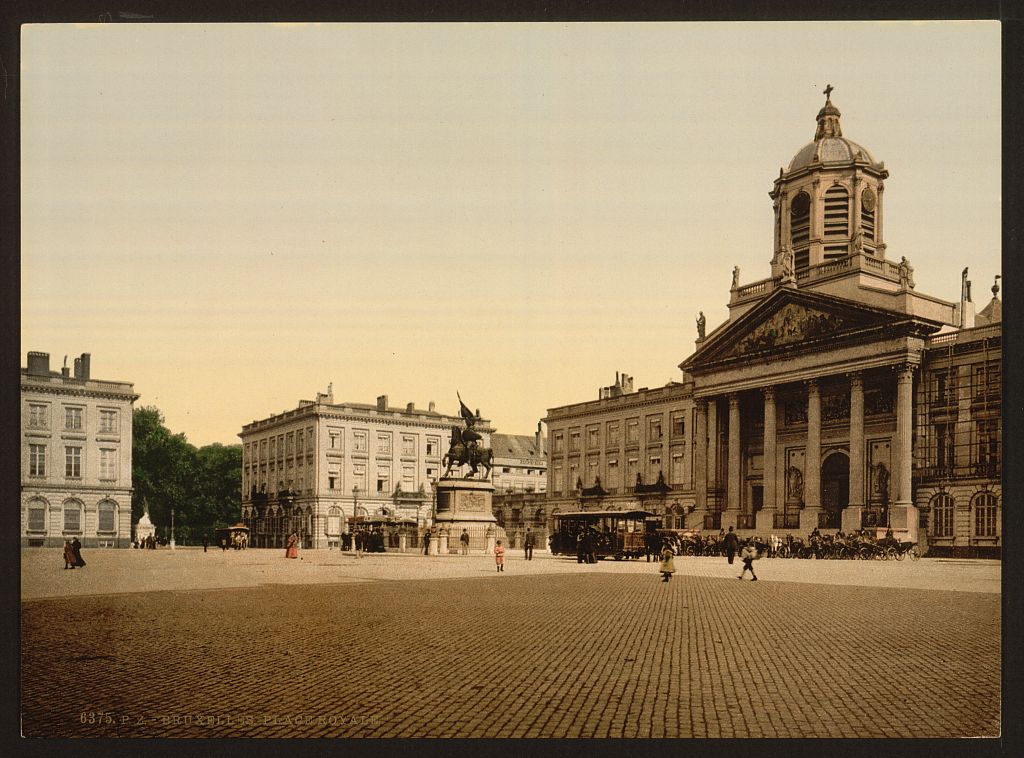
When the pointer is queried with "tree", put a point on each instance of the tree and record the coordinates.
(218, 495)
(163, 468)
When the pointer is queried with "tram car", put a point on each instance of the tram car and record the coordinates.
(614, 534)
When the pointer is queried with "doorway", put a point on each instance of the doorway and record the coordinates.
(835, 488)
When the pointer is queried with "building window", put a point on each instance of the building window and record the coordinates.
(263, 450)
(384, 444)
(987, 382)
(944, 387)
(332, 481)
(632, 431)
(557, 481)
(73, 462)
(37, 460)
(408, 445)
(655, 466)
(72, 517)
(408, 479)
(985, 515)
(678, 425)
(574, 442)
(359, 474)
(359, 442)
(105, 518)
(944, 458)
(299, 442)
(612, 432)
(383, 481)
(433, 445)
(867, 214)
(942, 515)
(592, 437)
(837, 212)
(334, 521)
(37, 518)
(800, 219)
(273, 448)
(653, 428)
(108, 421)
(592, 471)
(613, 472)
(73, 418)
(431, 473)
(335, 438)
(988, 443)
(290, 444)
(677, 468)
(557, 443)
(37, 416)
(108, 464)
(632, 469)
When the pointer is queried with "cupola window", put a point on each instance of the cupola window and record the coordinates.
(800, 223)
(837, 212)
(867, 214)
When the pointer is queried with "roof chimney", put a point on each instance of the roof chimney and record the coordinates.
(38, 364)
(382, 403)
(410, 407)
(430, 406)
(85, 360)
(78, 368)
(540, 440)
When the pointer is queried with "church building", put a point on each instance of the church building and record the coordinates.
(835, 396)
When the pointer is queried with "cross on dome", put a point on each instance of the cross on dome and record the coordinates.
(828, 92)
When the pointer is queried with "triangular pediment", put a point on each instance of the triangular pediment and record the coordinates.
(792, 320)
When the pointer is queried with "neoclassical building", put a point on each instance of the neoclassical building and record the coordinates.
(76, 456)
(835, 395)
(312, 468)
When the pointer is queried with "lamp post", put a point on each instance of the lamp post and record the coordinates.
(352, 525)
(172, 529)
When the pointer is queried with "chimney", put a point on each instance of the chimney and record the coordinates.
(540, 441)
(85, 359)
(410, 407)
(430, 406)
(78, 368)
(382, 403)
(38, 364)
(966, 304)
(65, 372)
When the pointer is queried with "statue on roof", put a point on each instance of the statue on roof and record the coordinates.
(788, 265)
(735, 277)
(906, 272)
(701, 322)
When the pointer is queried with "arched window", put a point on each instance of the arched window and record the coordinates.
(867, 214)
(985, 515)
(106, 517)
(942, 515)
(73, 517)
(539, 517)
(837, 212)
(37, 516)
(800, 219)
(334, 521)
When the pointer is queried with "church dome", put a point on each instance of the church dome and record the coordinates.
(830, 146)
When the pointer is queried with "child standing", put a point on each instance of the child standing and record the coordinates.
(747, 555)
(667, 567)
(499, 556)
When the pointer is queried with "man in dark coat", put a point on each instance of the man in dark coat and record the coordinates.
(206, 541)
(76, 548)
(581, 547)
(732, 543)
(528, 544)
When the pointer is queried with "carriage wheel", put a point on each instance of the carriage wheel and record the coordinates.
(901, 554)
(914, 555)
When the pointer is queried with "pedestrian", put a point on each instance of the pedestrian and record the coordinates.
(748, 555)
(224, 543)
(76, 548)
(667, 567)
(464, 541)
(426, 542)
(590, 546)
(528, 544)
(499, 556)
(69, 555)
(581, 554)
(206, 541)
(292, 550)
(732, 544)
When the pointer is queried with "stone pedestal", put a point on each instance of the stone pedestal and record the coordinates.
(851, 519)
(904, 520)
(465, 504)
(442, 542)
(403, 542)
(765, 521)
(433, 544)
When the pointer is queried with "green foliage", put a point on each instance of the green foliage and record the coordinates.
(203, 486)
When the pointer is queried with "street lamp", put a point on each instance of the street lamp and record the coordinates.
(172, 529)
(352, 525)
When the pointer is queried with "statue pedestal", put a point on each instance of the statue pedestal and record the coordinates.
(465, 504)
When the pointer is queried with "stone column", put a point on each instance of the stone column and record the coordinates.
(766, 518)
(712, 453)
(812, 459)
(700, 463)
(735, 482)
(852, 513)
(903, 448)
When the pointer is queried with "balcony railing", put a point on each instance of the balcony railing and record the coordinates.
(987, 469)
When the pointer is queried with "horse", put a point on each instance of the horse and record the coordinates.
(461, 454)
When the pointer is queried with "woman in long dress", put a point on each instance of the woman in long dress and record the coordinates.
(69, 555)
(293, 546)
(667, 566)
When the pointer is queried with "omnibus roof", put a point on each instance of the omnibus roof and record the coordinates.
(604, 514)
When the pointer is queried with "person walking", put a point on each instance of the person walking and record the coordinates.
(588, 547)
(76, 548)
(748, 555)
(293, 546)
(667, 566)
(464, 541)
(581, 554)
(426, 542)
(732, 544)
(69, 555)
(499, 556)
(528, 544)
(206, 541)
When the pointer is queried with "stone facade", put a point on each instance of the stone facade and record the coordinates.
(810, 407)
(76, 456)
(520, 464)
(311, 469)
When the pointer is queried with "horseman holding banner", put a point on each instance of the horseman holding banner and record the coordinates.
(465, 444)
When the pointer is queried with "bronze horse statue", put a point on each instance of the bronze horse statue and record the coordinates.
(461, 453)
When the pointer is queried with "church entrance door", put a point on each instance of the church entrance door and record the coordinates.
(835, 488)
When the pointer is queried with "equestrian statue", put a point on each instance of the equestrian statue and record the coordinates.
(464, 448)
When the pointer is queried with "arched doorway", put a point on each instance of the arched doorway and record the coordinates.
(835, 488)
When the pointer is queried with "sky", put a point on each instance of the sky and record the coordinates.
(234, 216)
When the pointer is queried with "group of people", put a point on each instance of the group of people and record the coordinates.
(586, 545)
(146, 543)
(73, 554)
(747, 552)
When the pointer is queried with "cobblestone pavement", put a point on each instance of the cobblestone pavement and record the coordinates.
(547, 649)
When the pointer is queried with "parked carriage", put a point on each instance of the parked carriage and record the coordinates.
(615, 534)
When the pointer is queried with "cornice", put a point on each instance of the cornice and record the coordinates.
(50, 389)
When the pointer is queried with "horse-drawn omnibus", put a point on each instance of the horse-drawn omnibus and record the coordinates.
(616, 534)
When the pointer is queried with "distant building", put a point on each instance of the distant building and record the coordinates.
(312, 468)
(835, 396)
(76, 456)
(520, 464)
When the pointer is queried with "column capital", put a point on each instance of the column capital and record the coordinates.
(904, 371)
(856, 379)
(700, 403)
(769, 393)
(811, 385)
(734, 399)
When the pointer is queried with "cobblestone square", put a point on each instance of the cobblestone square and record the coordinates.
(248, 644)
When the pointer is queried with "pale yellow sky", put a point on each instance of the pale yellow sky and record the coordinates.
(233, 216)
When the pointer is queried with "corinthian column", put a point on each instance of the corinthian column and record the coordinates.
(857, 439)
(904, 441)
(732, 498)
(771, 498)
(700, 458)
(812, 456)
